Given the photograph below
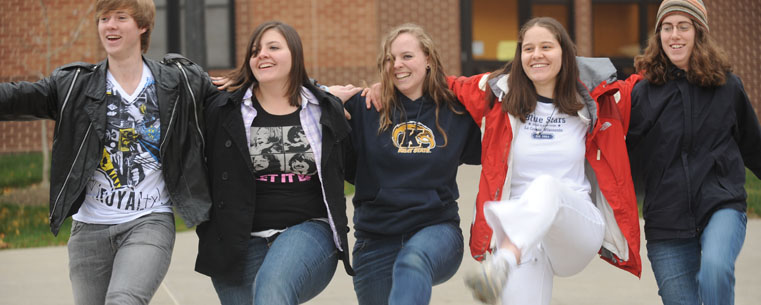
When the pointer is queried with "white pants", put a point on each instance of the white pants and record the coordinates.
(558, 230)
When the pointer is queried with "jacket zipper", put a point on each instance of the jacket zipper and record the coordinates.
(87, 133)
(65, 102)
(168, 129)
(55, 139)
(686, 147)
(195, 110)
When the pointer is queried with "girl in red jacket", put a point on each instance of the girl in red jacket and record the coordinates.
(555, 185)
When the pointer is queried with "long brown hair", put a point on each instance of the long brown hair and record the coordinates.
(244, 76)
(708, 64)
(522, 97)
(434, 85)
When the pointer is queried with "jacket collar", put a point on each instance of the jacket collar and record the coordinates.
(331, 111)
(675, 72)
(96, 88)
(166, 91)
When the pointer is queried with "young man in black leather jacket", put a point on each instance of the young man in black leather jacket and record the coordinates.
(127, 151)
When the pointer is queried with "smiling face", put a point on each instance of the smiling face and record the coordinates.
(678, 39)
(300, 167)
(541, 59)
(408, 65)
(271, 59)
(119, 34)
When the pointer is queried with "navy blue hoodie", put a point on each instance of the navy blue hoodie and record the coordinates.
(405, 176)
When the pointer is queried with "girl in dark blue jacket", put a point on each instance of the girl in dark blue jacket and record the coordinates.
(693, 131)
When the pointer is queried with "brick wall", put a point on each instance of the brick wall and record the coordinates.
(339, 36)
(441, 19)
(583, 24)
(342, 38)
(737, 28)
(30, 50)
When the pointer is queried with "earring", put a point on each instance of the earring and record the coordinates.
(427, 67)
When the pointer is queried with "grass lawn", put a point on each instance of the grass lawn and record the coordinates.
(753, 187)
(28, 226)
(18, 170)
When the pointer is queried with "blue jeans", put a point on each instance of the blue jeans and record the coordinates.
(122, 263)
(402, 269)
(700, 270)
(292, 269)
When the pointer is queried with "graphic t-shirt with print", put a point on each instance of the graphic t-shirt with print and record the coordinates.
(128, 182)
(288, 190)
(549, 143)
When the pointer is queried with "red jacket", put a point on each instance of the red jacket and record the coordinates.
(612, 187)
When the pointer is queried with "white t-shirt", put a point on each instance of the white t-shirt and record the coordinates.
(128, 182)
(549, 143)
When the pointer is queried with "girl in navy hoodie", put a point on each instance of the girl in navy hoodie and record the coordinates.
(406, 159)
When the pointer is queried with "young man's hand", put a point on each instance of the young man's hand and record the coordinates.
(221, 82)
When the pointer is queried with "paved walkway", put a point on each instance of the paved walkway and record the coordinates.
(40, 276)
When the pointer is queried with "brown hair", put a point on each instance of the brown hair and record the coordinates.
(522, 96)
(244, 76)
(708, 64)
(143, 11)
(434, 84)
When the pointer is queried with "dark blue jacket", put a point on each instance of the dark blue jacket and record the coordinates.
(689, 146)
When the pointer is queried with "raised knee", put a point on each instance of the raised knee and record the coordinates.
(413, 258)
(715, 266)
(126, 297)
(273, 292)
(544, 180)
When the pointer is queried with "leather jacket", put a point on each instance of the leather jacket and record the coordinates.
(74, 96)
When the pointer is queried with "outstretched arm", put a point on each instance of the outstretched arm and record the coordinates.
(22, 101)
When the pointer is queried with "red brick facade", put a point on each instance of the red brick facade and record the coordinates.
(341, 39)
(26, 45)
(736, 25)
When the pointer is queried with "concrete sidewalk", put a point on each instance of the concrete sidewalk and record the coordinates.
(40, 275)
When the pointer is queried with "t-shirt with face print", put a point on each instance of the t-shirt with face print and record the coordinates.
(288, 189)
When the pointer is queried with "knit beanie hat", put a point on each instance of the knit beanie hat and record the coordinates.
(695, 8)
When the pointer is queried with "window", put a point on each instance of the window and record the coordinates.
(616, 29)
(169, 32)
(495, 29)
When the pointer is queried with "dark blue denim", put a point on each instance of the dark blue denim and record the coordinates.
(292, 269)
(403, 269)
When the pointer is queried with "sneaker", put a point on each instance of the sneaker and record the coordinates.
(487, 281)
